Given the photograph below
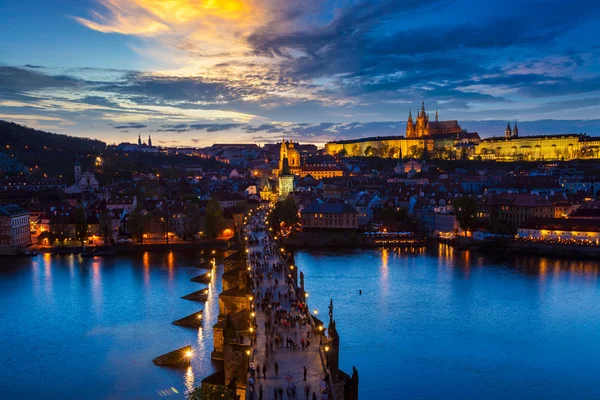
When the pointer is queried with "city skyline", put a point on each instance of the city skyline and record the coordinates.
(195, 73)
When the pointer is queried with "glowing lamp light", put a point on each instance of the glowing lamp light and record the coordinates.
(199, 316)
(315, 311)
(306, 294)
(251, 329)
(253, 315)
(251, 298)
(248, 353)
(188, 353)
(326, 348)
(320, 327)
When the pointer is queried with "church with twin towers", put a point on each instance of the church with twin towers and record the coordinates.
(424, 127)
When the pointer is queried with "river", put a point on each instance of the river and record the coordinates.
(429, 325)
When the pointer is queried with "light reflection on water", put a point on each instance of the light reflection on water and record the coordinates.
(91, 326)
(451, 324)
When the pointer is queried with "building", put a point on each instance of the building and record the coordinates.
(586, 231)
(286, 180)
(513, 147)
(328, 215)
(229, 199)
(423, 127)
(139, 147)
(320, 172)
(365, 203)
(15, 230)
(127, 203)
(288, 151)
(511, 210)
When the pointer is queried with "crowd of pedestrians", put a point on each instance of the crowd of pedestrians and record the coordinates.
(282, 331)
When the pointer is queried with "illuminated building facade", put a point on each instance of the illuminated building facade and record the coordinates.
(423, 127)
(511, 147)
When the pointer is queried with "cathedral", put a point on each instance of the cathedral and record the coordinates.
(287, 150)
(423, 127)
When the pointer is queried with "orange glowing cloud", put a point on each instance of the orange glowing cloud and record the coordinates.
(156, 17)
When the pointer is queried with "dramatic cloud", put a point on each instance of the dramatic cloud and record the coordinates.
(131, 125)
(311, 69)
(197, 127)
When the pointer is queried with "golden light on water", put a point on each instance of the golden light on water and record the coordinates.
(189, 379)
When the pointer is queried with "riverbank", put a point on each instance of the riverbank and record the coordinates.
(218, 245)
(351, 240)
(570, 251)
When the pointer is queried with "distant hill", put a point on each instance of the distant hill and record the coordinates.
(51, 153)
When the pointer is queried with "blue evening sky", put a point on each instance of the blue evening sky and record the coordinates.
(191, 72)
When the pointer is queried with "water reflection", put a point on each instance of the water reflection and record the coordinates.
(171, 265)
(146, 263)
(101, 313)
(384, 271)
(189, 379)
(462, 320)
(97, 286)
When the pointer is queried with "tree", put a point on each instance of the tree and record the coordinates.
(210, 392)
(343, 153)
(191, 219)
(286, 212)
(415, 151)
(81, 227)
(213, 218)
(384, 149)
(105, 226)
(137, 222)
(356, 150)
(394, 152)
(396, 218)
(465, 208)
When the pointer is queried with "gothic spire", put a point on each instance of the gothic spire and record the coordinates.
(436, 115)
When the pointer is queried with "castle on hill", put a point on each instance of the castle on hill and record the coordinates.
(423, 127)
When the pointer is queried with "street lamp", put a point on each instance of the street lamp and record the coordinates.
(315, 311)
(326, 348)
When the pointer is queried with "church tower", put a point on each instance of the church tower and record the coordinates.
(282, 154)
(149, 141)
(77, 167)
(422, 121)
(286, 180)
(410, 126)
(139, 140)
(507, 131)
(515, 131)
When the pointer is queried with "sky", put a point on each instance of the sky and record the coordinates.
(198, 72)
